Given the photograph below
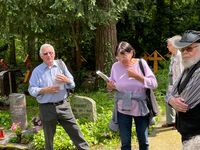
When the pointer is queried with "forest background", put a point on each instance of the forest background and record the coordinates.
(85, 32)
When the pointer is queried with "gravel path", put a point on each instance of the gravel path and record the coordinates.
(164, 138)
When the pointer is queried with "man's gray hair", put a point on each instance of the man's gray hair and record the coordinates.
(45, 46)
(172, 39)
(192, 144)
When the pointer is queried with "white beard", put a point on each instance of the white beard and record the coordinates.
(187, 63)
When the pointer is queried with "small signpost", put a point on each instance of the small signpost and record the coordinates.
(155, 57)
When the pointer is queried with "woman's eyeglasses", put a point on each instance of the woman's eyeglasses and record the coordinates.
(124, 53)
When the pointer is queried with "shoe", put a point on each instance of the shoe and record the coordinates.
(168, 125)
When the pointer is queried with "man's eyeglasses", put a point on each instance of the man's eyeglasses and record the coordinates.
(50, 53)
(189, 48)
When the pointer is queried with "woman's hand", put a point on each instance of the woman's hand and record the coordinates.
(111, 85)
(135, 75)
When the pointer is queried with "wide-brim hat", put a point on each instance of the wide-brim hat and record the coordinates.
(188, 37)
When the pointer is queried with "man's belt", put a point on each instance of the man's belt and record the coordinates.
(56, 103)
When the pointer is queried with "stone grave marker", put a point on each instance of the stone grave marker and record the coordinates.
(18, 109)
(83, 107)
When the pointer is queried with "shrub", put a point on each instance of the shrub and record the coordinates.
(94, 132)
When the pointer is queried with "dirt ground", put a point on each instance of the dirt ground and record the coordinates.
(165, 139)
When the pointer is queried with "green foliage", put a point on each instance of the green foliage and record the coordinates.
(147, 24)
(5, 119)
(61, 140)
(4, 115)
(38, 141)
(64, 23)
(109, 12)
(22, 87)
(162, 76)
(162, 79)
(27, 138)
(95, 132)
(16, 129)
(4, 100)
(32, 111)
(98, 132)
(31, 101)
(13, 140)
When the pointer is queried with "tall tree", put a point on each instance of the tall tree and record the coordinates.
(106, 33)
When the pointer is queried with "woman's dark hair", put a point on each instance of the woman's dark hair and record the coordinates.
(124, 47)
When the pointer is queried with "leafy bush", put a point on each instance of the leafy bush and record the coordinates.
(61, 140)
(5, 119)
(4, 101)
(98, 133)
(94, 132)
(162, 78)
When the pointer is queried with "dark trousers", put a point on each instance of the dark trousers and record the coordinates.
(52, 114)
(125, 129)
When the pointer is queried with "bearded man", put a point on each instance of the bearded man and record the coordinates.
(185, 95)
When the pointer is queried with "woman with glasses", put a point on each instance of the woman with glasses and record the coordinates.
(129, 83)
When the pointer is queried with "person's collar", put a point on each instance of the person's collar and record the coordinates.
(45, 66)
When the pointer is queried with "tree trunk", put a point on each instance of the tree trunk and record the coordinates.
(12, 58)
(171, 18)
(76, 38)
(159, 22)
(106, 40)
(31, 47)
